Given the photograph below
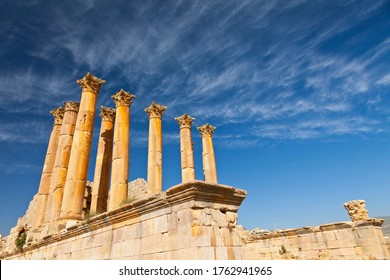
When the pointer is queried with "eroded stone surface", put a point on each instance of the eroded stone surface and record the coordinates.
(356, 210)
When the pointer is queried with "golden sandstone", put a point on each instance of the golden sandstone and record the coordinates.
(119, 219)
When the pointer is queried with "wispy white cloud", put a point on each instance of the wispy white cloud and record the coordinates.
(25, 132)
(244, 62)
(385, 80)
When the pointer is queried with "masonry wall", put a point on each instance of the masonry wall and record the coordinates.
(190, 221)
(347, 240)
(198, 221)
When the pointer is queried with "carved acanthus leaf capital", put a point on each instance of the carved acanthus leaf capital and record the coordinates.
(123, 98)
(72, 106)
(107, 114)
(90, 83)
(185, 121)
(206, 130)
(58, 114)
(155, 110)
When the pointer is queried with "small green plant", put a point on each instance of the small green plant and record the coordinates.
(282, 250)
(88, 216)
(21, 240)
(128, 200)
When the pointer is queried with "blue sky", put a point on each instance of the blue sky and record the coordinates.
(299, 92)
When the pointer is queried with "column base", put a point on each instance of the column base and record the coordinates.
(66, 217)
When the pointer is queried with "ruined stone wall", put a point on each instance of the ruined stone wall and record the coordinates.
(137, 189)
(198, 221)
(190, 221)
(347, 240)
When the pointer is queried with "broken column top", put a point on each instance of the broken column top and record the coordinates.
(356, 210)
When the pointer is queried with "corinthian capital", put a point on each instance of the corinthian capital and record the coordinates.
(155, 110)
(107, 114)
(185, 121)
(90, 83)
(206, 130)
(123, 98)
(71, 106)
(58, 115)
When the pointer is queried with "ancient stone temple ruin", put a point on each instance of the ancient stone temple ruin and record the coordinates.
(112, 218)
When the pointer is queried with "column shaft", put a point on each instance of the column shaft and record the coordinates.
(208, 156)
(103, 162)
(155, 112)
(60, 170)
(76, 179)
(48, 166)
(186, 148)
(120, 156)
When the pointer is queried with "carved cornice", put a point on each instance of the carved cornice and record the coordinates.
(72, 106)
(155, 110)
(58, 114)
(107, 114)
(123, 98)
(90, 83)
(206, 130)
(185, 121)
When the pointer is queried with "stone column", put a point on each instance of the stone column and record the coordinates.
(103, 162)
(48, 166)
(155, 112)
(76, 179)
(186, 148)
(120, 157)
(209, 167)
(60, 170)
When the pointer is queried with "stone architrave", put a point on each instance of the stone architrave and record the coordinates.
(186, 148)
(103, 162)
(208, 156)
(356, 210)
(60, 170)
(76, 179)
(155, 112)
(120, 156)
(48, 166)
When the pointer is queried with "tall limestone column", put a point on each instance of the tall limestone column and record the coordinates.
(60, 170)
(48, 166)
(186, 148)
(208, 156)
(76, 179)
(155, 112)
(120, 157)
(103, 162)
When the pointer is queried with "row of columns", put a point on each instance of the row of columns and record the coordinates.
(64, 176)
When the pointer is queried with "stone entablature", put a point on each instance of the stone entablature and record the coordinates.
(189, 221)
(198, 221)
